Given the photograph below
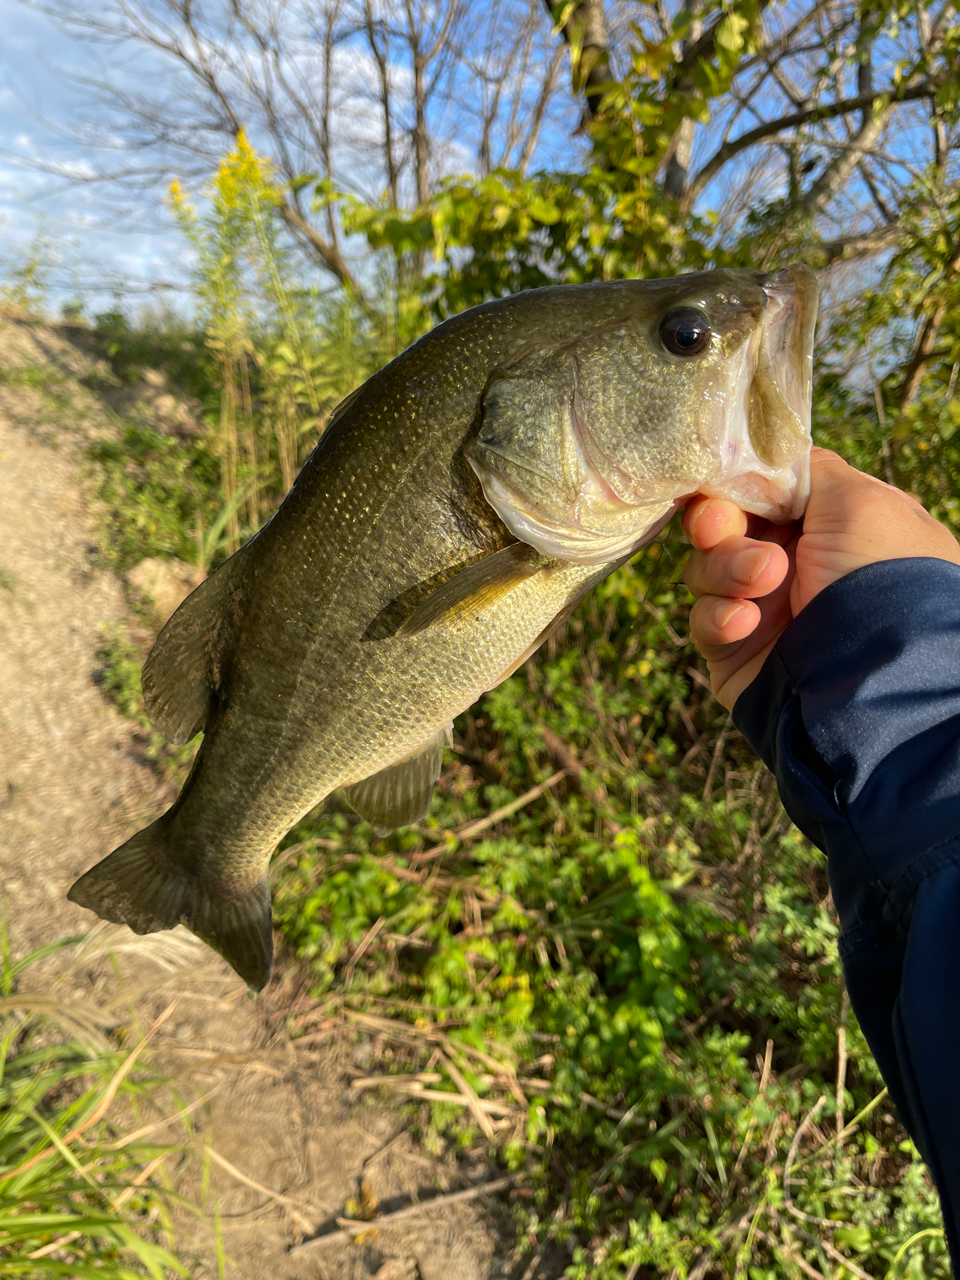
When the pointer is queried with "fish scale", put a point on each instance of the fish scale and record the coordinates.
(415, 563)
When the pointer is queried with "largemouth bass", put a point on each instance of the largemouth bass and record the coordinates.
(459, 505)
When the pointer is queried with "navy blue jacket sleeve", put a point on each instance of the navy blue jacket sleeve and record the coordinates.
(857, 713)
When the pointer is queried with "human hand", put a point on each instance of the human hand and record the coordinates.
(851, 520)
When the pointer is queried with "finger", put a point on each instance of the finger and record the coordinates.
(732, 667)
(739, 567)
(708, 521)
(718, 621)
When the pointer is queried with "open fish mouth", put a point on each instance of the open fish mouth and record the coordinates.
(787, 338)
(765, 449)
(784, 379)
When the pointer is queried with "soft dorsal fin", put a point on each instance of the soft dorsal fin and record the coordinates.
(182, 669)
(401, 793)
(474, 588)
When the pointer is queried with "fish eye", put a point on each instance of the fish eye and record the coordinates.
(685, 332)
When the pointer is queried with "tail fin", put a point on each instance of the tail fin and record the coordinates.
(137, 885)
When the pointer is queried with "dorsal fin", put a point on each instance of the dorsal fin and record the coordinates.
(182, 669)
(401, 793)
(475, 588)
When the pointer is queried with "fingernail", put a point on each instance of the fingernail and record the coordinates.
(726, 612)
(689, 521)
(747, 566)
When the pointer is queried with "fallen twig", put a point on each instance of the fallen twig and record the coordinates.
(481, 824)
(396, 1081)
(290, 1205)
(349, 1228)
(385, 1149)
(433, 1035)
(470, 1096)
(794, 1256)
(413, 1088)
(808, 1120)
(364, 943)
(255, 1062)
(833, 1252)
(597, 1105)
(841, 1061)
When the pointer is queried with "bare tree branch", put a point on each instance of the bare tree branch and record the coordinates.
(926, 341)
(860, 245)
(536, 120)
(379, 50)
(873, 118)
(327, 253)
(825, 111)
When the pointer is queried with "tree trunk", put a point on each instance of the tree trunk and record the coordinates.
(585, 32)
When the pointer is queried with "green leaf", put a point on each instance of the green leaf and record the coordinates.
(730, 32)
(544, 211)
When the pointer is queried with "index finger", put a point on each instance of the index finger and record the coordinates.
(710, 521)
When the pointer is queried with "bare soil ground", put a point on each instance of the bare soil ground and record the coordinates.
(290, 1143)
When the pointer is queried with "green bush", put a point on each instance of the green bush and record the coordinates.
(156, 494)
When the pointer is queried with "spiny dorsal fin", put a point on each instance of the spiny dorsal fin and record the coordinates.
(182, 669)
(475, 588)
(401, 793)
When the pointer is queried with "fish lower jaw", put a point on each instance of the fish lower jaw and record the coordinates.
(778, 495)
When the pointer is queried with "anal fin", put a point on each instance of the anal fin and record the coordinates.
(475, 588)
(181, 672)
(401, 793)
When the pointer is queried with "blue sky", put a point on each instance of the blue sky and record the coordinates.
(100, 240)
(36, 103)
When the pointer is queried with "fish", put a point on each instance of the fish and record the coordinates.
(458, 506)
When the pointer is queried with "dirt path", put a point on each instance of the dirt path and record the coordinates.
(72, 786)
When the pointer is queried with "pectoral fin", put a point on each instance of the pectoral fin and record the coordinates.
(475, 588)
(401, 793)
